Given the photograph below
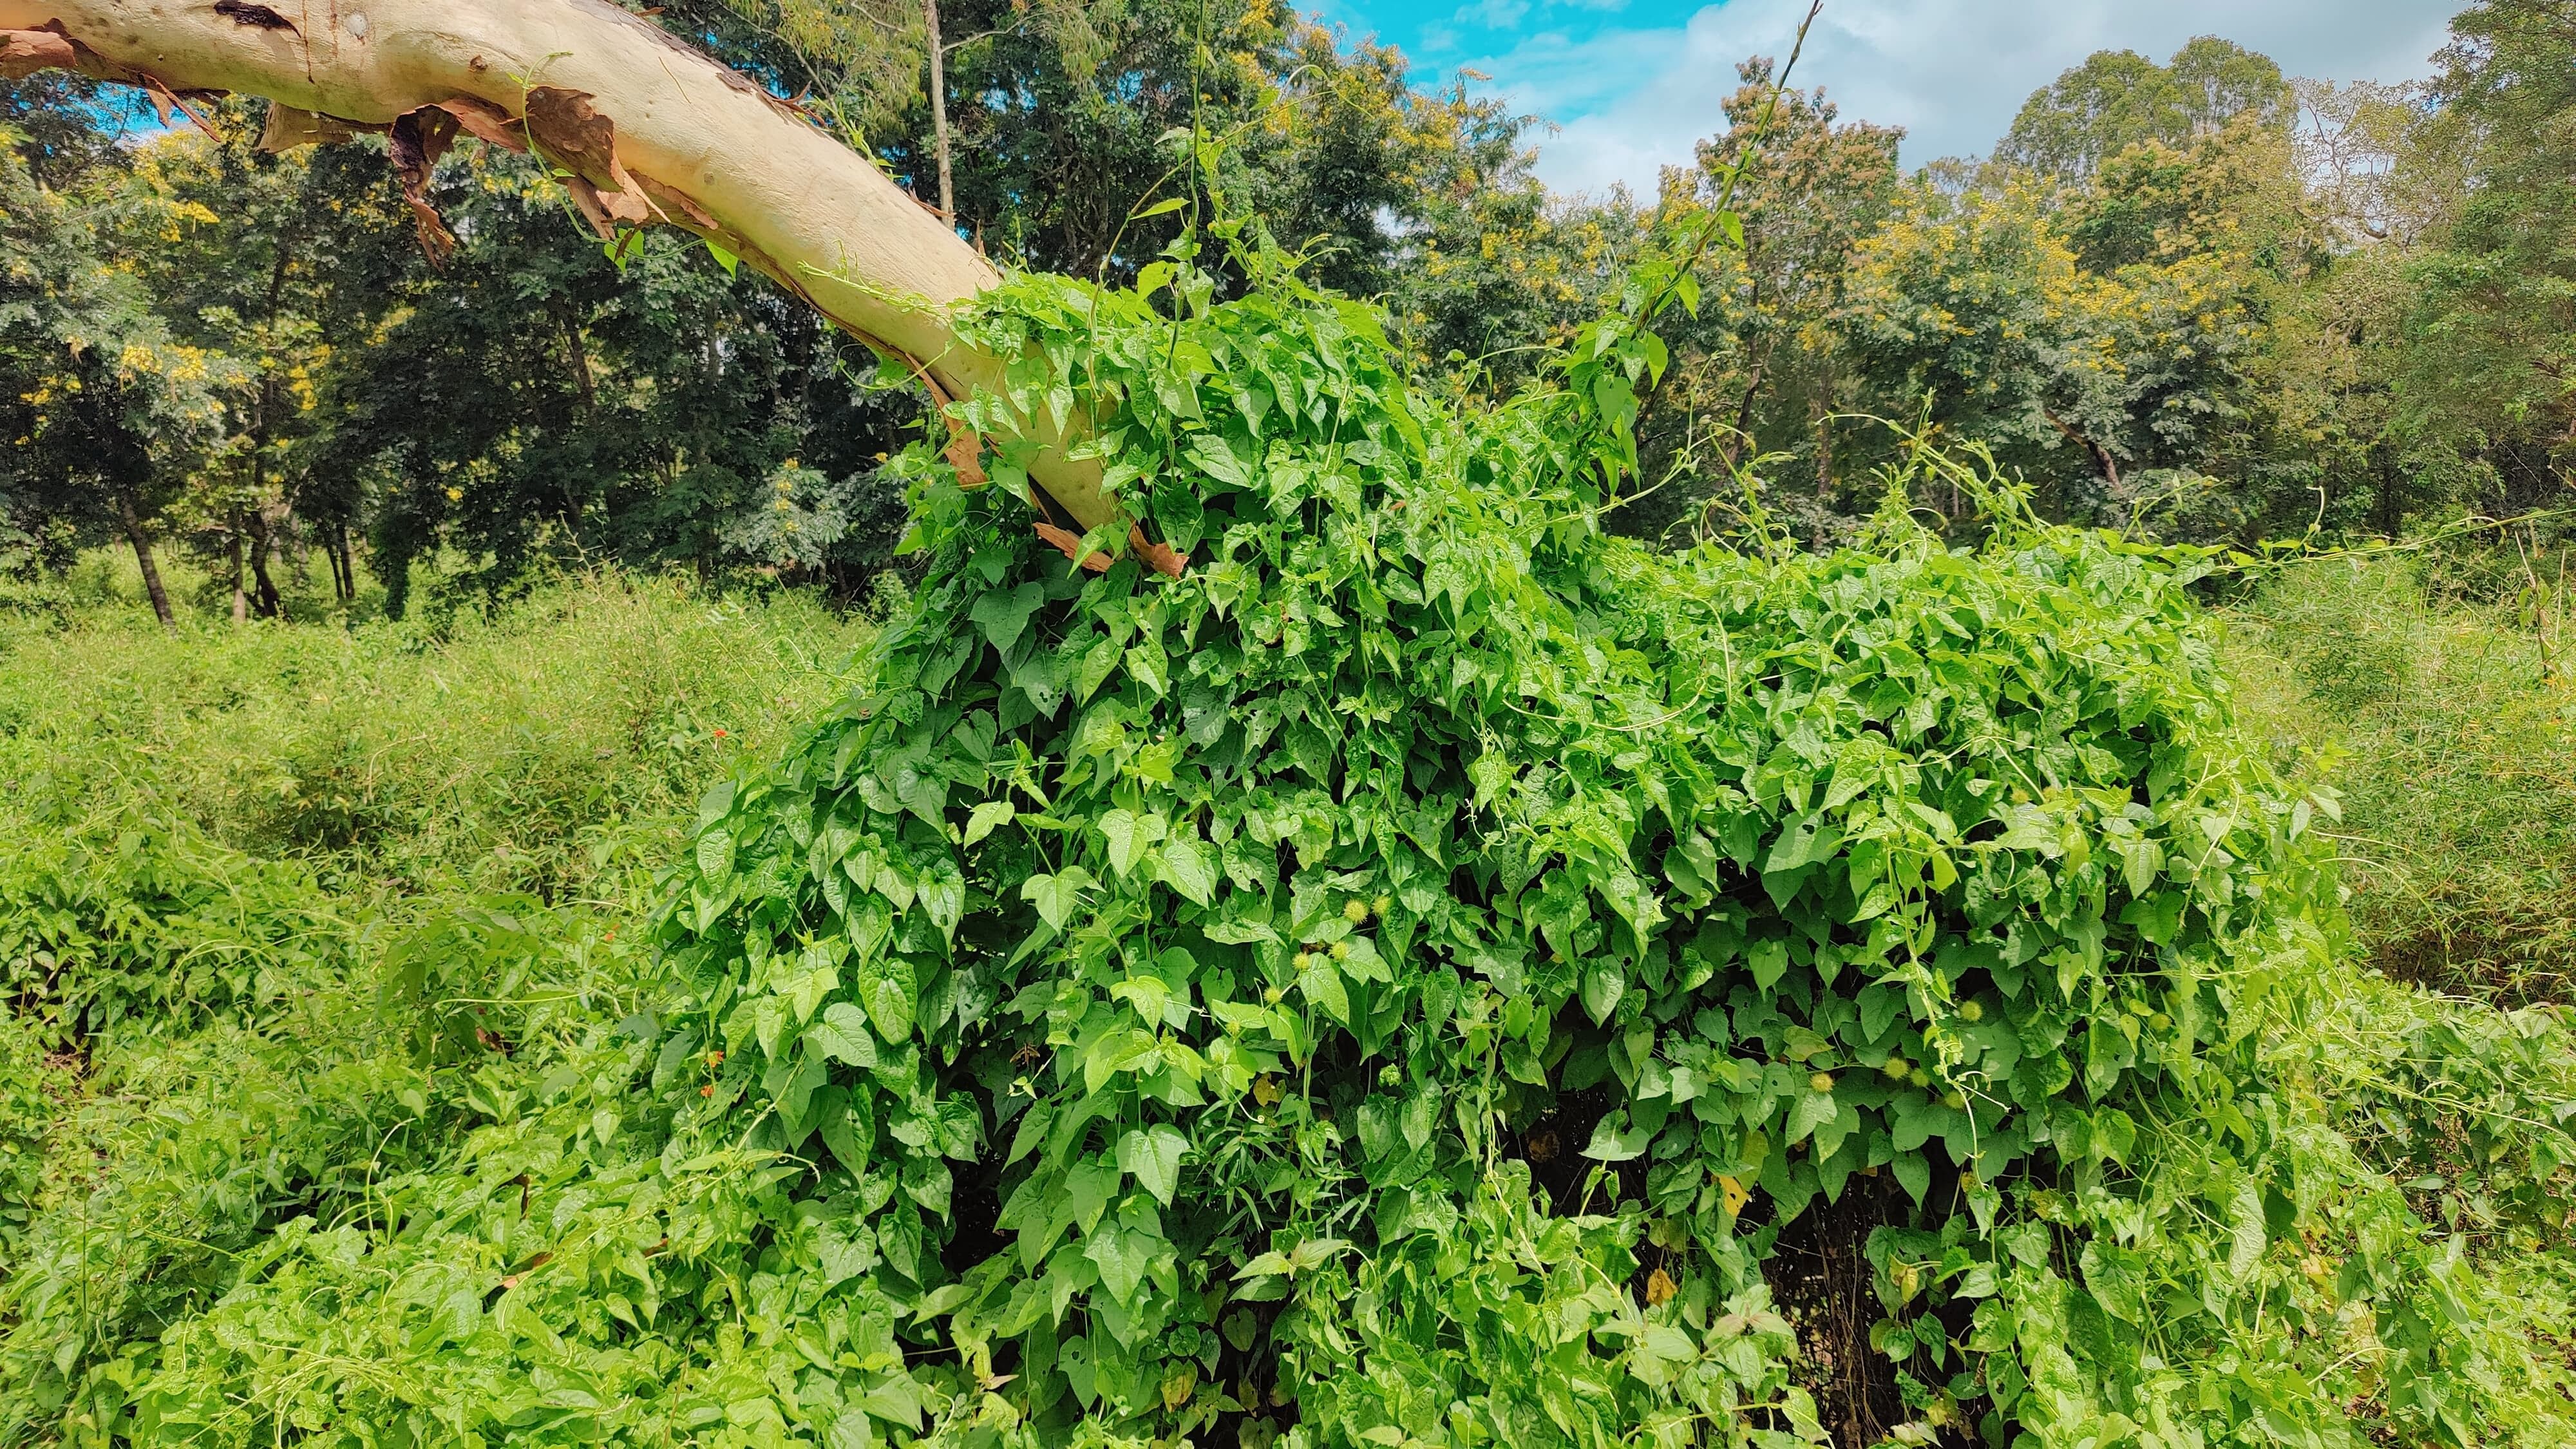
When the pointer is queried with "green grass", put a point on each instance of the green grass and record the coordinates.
(251, 877)
(2455, 749)
(477, 750)
(2443, 1056)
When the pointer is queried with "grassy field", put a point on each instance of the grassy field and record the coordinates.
(2453, 742)
(2444, 1053)
(252, 877)
(247, 873)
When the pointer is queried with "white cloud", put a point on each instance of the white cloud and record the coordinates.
(1952, 72)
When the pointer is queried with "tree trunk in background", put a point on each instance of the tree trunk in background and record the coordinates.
(939, 110)
(233, 552)
(2104, 464)
(396, 570)
(577, 360)
(132, 522)
(1824, 453)
(344, 572)
(265, 600)
(647, 130)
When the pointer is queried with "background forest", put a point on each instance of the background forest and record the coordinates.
(2196, 299)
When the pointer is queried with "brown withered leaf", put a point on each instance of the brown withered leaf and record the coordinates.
(487, 122)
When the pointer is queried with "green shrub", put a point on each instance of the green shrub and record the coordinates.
(147, 925)
(31, 1084)
(2353, 632)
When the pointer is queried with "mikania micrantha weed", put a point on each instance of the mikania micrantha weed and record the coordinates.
(1142, 1011)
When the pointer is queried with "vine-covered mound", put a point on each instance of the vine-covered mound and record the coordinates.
(1397, 977)
(1395, 981)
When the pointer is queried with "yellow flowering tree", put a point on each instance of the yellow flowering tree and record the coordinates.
(103, 412)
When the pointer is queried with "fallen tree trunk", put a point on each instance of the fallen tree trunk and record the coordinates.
(650, 131)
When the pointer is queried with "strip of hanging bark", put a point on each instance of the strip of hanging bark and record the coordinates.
(1071, 542)
(1162, 558)
(695, 217)
(1157, 556)
(573, 134)
(965, 453)
(166, 100)
(489, 123)
(965, 450)
(416, 142)
(585, 198)
(289, 128)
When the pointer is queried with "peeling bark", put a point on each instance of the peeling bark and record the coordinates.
(415, 143)
(25, 52)
(289, 128)
(704, 148)
(240, 12)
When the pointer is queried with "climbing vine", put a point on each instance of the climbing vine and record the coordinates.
(1395, 981)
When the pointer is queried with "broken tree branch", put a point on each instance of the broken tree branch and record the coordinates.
(653, 132)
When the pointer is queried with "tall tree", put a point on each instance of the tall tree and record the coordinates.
(2118, 99)
(2492, 372)
(288, 266)
(102, 412)
(1761, 370)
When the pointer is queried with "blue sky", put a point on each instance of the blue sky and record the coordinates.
(1630, 84)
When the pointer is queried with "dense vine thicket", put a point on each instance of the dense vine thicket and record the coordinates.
(1394, 983)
